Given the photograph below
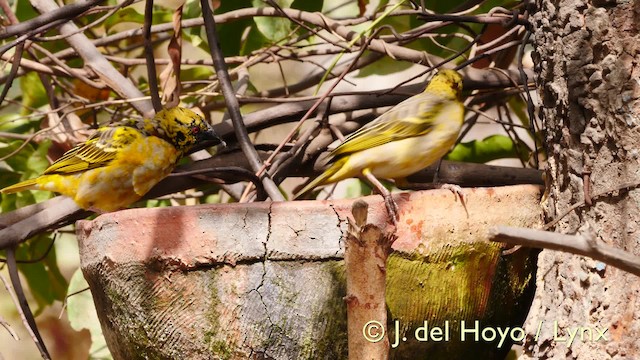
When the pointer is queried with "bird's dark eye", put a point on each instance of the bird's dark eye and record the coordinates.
(195, 130)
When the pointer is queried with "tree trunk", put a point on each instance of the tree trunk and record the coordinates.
(587, 60)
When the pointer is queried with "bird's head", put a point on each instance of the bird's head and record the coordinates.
(183, 128)
(446, 82)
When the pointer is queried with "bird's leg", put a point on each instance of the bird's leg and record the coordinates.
(436, 174)
(392, 207)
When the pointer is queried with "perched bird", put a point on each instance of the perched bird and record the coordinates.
(409, 137)
(117, 165)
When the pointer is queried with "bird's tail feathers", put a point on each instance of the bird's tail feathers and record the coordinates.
(21, 186)
(320, 180)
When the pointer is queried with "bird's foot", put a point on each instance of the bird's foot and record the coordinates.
(457, 191)
(392, 208)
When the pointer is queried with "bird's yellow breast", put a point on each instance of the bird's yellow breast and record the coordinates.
(135, 170)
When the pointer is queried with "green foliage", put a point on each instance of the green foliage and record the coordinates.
(232, 32)
(241, 37)
(195, 35)
(490, 148)
(384, 66)
(131, 15)
(82, 314)
(24, 11)
(273, 29)
(123, 16)
(33, 93)
(44, 278)
(25, 164)
(195, 73)
(153, 203)
(307, 5)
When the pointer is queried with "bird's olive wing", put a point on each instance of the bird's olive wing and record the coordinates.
(99, 150)
(412, 117)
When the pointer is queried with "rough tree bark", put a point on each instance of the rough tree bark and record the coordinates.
(587, 56)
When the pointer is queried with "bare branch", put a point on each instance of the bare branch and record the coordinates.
(96, 61)
(581, 244)
(22, 305)
(232, 103)
(8, 327)
(15, 65)
(148, 54)
(48, 19)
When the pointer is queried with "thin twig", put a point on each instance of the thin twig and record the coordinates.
(49, 18)
(22, 305)
(75, 73)
(15, 65)
(530, 106)
(8, 327)
(66, 298)
(232, 103)
(39, 258)
(148, 54)
(96, 61)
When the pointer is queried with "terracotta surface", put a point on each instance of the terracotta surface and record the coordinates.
(232, 233)
(267, 278)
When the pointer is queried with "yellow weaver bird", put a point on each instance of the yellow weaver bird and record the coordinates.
(117, 165)
(409, 137)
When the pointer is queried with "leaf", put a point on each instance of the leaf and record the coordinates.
(15, 123)
(16, 162)
(170, 76)
(26, 164)
(128, 14)
(81, 312)
(196, 73)
(519, 107)
(194, 35)
(307, 5)
(384, 66)
(275, 29)
(362, 6)
(490, 148)
(231, 34)
(24, 10)
(33, 93)
(29, 160)
(37, 161)
(43, 277)
(357, 188)
(254, 41)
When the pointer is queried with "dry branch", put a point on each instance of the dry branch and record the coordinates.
(232, 103)
(580, 244)
(97, 62)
